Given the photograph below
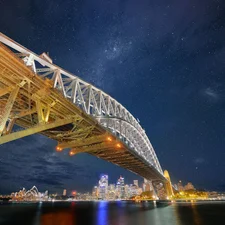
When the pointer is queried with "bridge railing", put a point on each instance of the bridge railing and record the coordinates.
(105, 109)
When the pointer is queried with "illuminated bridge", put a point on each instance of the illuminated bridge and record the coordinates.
(40, 97)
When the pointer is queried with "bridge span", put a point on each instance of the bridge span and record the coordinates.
(40, 97)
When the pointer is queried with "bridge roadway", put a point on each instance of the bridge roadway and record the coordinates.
(40, 97)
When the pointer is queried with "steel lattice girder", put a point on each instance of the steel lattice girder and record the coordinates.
(93, 101)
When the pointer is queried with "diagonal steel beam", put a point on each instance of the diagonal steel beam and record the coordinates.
(34, 130)
(4, 115)
(24, 113)
(5, 91)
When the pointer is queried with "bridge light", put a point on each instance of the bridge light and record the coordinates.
(71, 153)
(118, 145)
(58, 149)
(109, 139)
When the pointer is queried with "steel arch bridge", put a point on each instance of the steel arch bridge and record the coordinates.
(41, 97)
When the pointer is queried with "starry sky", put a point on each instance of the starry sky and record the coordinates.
(163, 60)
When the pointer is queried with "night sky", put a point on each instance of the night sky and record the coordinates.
(163, 60)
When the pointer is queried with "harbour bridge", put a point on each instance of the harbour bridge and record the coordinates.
(40, 97)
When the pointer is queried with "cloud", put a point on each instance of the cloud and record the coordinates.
(211, 94)
(199, 160)
(49, 182)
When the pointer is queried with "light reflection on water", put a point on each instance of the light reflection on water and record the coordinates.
(111, 213)
(102, 213)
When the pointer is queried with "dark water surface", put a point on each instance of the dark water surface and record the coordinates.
(112, 213)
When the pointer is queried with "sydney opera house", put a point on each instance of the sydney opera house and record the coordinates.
(29, 195)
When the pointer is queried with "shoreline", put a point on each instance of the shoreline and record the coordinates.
(109, 201)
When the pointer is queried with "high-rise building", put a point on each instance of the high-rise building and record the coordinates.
(95, 192)
(139, 191)
(136, 182)
(103, 187)
(121, 187)
(127, 191)
(111, 191)
(133, 190)
(64, 192)
(118, 189)
(147, 185)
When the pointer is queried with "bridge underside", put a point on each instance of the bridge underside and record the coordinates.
(30, 102)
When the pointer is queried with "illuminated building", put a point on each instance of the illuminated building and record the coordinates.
(139, 191)
(64, 192)
(133, 190)
(103, 187)
(120, 188)
(127, 191)
(95, 192)
(180, 186)
(136, 182)
(147, 185)
(31, 195)
(189, 186)
(111, 192)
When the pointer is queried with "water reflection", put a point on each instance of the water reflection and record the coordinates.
(111, 213)
(59, 218)
(197, 218)
(102, 212)
(38, 214)
(187, 213)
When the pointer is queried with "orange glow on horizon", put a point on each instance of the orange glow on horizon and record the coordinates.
(71, 153)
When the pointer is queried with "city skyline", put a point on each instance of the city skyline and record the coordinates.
(104, 189)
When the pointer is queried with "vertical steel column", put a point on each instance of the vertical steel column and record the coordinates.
(4, 115)
(10, 126)
(39, 111)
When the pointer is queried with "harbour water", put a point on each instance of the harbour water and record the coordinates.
(112, 213)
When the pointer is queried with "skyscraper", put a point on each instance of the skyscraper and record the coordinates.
(111, 191)
(103, 187)
(120, 187)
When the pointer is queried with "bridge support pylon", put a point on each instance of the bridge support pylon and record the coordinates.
(167, 185)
